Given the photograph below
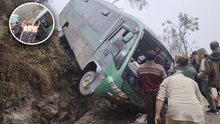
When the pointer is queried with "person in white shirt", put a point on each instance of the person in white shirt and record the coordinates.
(184, 100)
(25, 34)
(34, 32)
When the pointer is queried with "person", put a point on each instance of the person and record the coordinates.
(160, 60)
(200, 58)
(34, 32)
(211, 70)
(149, 77)
(25, 34)
(193, 63)
(190, 59)
(24, 23)
(17, 29)
(135, 63)
(208, 92)
(175, 60)
(185, 104)
(190, 72)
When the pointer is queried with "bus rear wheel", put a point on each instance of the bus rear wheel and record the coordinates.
(85, 82)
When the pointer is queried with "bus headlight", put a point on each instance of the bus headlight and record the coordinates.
(118, 91)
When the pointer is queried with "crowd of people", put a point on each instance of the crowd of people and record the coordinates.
(27, 31)
(191, 80)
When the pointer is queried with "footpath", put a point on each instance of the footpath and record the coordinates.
(211, 119)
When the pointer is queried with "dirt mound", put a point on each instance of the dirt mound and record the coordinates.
(31, 75)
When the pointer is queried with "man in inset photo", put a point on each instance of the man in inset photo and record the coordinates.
(25, 34)
(34, 32)
(16, 28)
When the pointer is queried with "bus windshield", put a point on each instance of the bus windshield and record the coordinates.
(150, 42)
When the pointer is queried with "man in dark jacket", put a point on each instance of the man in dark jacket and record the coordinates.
(196, 66)
(17, 30)
(211, 68)
(193, 63)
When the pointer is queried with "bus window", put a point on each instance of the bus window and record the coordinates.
(149, 43)
(47, 20)
(116, 41)
(119, 48)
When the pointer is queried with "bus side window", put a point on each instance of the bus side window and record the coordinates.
(116, 41)
(118, 47)
(47, 20)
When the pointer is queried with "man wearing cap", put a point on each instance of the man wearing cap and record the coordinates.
(193, 63)
(149, 77)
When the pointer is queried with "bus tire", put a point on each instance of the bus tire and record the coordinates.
(62, 33)
(86, 80)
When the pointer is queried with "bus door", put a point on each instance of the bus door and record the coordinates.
(45, 26)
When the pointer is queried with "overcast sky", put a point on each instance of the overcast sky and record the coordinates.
(160, 10)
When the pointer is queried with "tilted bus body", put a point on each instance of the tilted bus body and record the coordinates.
(104, 40)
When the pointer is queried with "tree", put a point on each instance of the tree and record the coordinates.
(175, 36)
(139, 4)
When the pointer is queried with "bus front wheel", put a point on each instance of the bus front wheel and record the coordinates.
(85, 82)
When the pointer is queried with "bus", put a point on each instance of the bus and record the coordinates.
(46, 25)
(105, 42)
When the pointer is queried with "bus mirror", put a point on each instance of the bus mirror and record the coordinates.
(128, 37)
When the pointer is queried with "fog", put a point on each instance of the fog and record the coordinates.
(161, 10)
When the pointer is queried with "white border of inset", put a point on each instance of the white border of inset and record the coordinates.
(37, 42)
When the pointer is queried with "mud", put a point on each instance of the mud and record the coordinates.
(39, 85)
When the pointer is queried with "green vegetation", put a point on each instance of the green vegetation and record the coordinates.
(25, 68)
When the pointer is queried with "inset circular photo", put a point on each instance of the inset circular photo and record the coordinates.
(31, 23)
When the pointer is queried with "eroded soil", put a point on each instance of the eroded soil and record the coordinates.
(39, 85)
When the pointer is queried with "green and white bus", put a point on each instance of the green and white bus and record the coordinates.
(104, 41)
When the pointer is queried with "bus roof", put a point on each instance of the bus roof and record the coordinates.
(113, 8)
